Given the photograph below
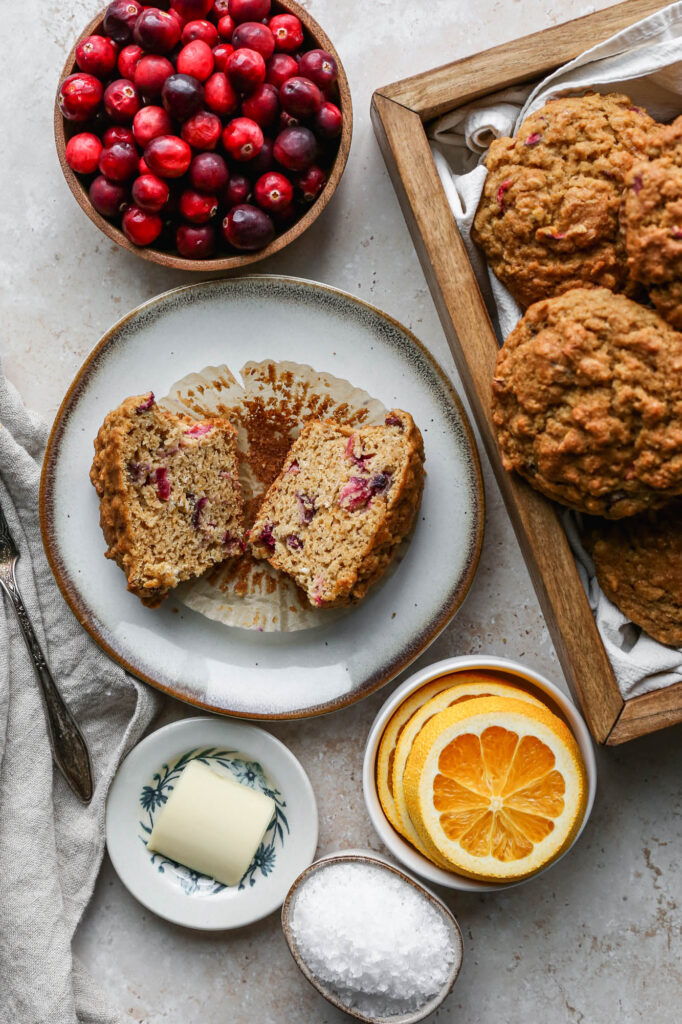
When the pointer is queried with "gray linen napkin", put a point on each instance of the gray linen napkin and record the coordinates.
(51, 846)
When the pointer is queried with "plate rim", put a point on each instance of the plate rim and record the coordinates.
(179, 726)
(89, 621)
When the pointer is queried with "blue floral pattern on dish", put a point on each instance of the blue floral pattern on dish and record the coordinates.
(248, 773)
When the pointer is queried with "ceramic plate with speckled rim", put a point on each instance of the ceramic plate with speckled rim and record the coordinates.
(236, 671)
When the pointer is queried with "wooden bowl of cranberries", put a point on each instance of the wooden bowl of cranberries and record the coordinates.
(203, 134)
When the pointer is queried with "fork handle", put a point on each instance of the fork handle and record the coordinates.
(69, 749)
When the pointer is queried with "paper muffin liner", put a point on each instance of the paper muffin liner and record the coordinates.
(267, 403)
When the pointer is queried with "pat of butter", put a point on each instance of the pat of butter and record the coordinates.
(212, 824)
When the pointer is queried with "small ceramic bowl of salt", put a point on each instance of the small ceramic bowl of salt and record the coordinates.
(371, 939)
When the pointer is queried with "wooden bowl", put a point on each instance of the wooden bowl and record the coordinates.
(64, 129)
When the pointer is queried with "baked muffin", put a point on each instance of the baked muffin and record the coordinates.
(639, 567)
(548, 217)
(170, 501)
(342, 503)
(587, 403)
(651, 219)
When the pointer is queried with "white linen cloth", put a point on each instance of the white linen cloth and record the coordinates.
(645, 62)
(51, 845)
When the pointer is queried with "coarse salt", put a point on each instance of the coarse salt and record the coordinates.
(372, 938)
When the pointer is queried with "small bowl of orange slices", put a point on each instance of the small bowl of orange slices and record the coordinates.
(479, 773)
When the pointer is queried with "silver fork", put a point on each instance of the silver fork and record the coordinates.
(69, 749)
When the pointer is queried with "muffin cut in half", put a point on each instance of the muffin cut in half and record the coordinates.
(342, 503)
(170, 501)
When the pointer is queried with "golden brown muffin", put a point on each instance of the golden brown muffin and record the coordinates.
(170, 501)
(548, 216)
(587, 403)
(639, 567)
(344, 500)
(651, 218)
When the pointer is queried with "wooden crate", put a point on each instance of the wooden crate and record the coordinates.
(400, 114)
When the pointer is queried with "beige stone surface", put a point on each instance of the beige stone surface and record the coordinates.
(595, 940)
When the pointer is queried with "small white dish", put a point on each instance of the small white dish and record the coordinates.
(253, 757)
(401, 849)
(376, 860)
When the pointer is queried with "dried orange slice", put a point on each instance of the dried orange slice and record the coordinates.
(497, 786)
(391, 734)
(468, 686)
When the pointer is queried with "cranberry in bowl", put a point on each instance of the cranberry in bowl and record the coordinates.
(177, 101)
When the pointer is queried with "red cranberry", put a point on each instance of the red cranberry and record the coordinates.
(288, 32)
(202, 130)
(117, 133)
(190, 10)
(79, 96)
(237, 191)
(246, 227)
(196, 59)
(149, 123)
(273, 192)
(150, 193)
(128, 59)
(220, 8)
(280, 67)
(245, 70)
(119, 20)
(82, 153)
(121, 101)
(295, 148)
(200, 29)
(300, 97)
(221, 54)
(208, 172)
(219, 95)
(226, 27)
(118, 162)
(168, 156)
(329, 121)
(178, 17)
(139, 227)
(156, 31)
(254, 36)
(182, 96)
(142, 167)
(311, 183)
(262, 106)
(198, 207)
(320, 67)
(150, 74)
(195, 243)
(249, 10)
(264, 161)
(96, 55)
(243, 139)
(108, 197)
